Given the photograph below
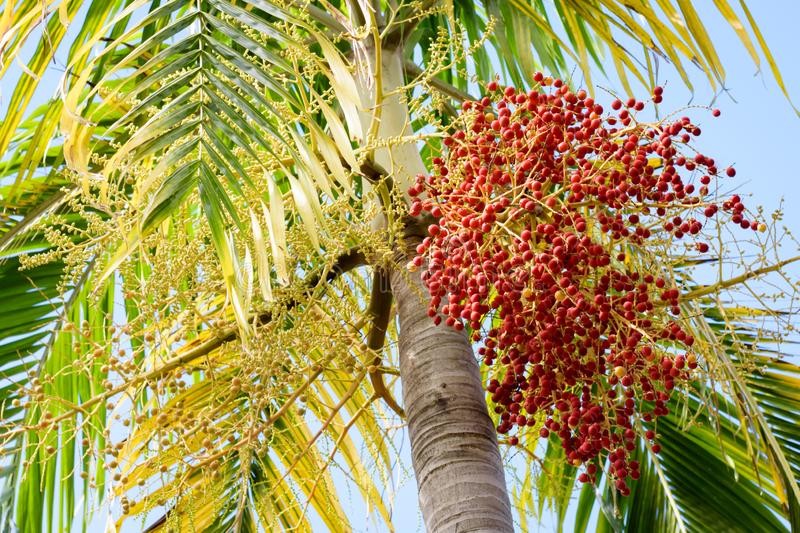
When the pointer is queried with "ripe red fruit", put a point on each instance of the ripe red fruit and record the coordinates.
(580, 336)
(730, 171)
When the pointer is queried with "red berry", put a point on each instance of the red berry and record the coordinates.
(512, 247)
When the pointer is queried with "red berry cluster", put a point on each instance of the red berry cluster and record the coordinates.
(551, 219)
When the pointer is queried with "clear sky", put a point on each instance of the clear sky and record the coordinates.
(758, 132)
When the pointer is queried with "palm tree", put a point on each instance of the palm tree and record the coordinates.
(203, 237)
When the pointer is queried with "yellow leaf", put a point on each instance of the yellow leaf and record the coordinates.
(338, 133)
(701, 37)
(768, 54)
(312, 165)
(330, 154)
(75, 128)
(121, 255)
(730, 15)
(63, 14)
(344, 85)
(231, 270)
(262, 259)
(276, 225)
(303, 202)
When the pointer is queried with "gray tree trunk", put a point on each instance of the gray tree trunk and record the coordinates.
(454, 448)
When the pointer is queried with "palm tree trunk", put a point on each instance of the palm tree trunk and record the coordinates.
(454, 448)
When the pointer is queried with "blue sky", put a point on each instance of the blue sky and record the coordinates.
(759, 132)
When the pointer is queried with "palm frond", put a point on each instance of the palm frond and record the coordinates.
(530, 35)
(716, 469)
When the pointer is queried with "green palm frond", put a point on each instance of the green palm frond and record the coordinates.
(37, 457)
(205, 109)
(716, 470)
(530, 35)
(38, 302)
(28, 22)
(707, 468)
